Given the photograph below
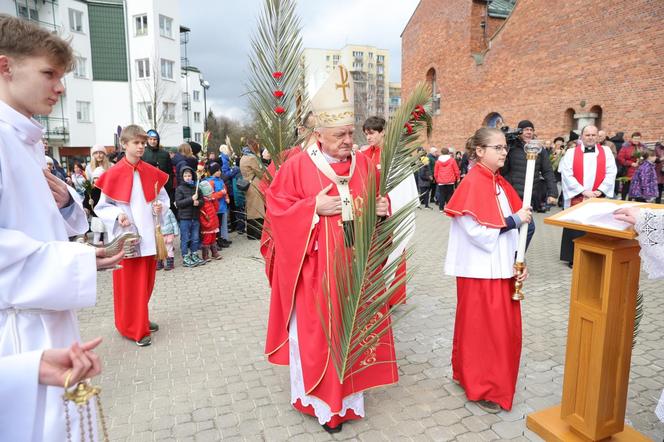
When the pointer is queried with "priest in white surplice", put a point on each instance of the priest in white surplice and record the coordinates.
(44, 278)
(588, 171)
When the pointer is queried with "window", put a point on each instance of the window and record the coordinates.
(370, 55)
(83, 111)
(167, 69)
(143, 68)
(165, 26)
(145, 109)
(358, 54)
(75, 20)
(169, 112)
(380, 58)
(28, 14)
(197, 95)
(81, 69)
(197, 117)
(197, 137)
(141, 25)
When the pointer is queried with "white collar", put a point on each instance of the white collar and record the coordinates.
(332, 160)
(27, 129)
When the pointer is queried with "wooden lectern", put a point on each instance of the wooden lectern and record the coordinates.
(605, 281)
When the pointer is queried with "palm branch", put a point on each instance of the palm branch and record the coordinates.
(638, 315)
(275, 85)
(362, 274)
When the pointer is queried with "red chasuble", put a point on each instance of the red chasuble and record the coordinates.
(472, 197)
(304, 252)
(117, 181)
(399, 297)
(267, 245)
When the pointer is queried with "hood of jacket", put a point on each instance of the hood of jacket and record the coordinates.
(444, 158)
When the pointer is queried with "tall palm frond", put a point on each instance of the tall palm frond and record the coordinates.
(275, 85)
(638, 315)
(362, 274)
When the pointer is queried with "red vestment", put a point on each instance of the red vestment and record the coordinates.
(399, 296)
(303, 253)
(487, 330)
(117, 181)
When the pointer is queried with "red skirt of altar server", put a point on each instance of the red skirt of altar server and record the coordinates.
(334, 421)
(487, 340)
(132, 288)
(399, 297)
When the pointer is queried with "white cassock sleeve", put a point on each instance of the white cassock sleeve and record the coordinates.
(571, 187)
(165, 204)
(108, 211)
(19, 394)
(485, 238)
(53, 275)
(607, 186)
(76, 221)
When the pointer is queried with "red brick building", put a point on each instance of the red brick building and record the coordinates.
(560, 64)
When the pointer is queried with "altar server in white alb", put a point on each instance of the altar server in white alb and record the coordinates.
(44, 278)
(588, 171)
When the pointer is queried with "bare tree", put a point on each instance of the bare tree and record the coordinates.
(158, 98)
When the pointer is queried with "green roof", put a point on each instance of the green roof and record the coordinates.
(107, 41)
(501, 8)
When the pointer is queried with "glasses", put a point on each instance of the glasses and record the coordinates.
(497, 147)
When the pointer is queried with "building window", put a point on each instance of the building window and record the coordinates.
(141, 25)
(83, 111)
(197, 117)
(168, 114)
(165, 26)
(145, 109)
(358, 54)
(380, 58)
(81, 70)
(197, 137)
(28, 13)
(75, 20)
(167, 69)
(143, 68)
(197, 95)
(358, 65)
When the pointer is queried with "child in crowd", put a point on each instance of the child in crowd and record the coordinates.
(644, 181)
(188, 204)
(209, 222)
(90, 200)
(446, 174)
(132, 195)
(221, 194)
(486, 213)
(170, 230)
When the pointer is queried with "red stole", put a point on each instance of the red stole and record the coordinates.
(302, 256)
(577, 165)
(117, 181)
(473, 197)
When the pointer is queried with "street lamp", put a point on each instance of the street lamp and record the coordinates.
(206, 86)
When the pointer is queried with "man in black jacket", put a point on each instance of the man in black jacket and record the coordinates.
(514, 169)
(160, 159)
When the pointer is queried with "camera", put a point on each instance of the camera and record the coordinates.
(511, 135)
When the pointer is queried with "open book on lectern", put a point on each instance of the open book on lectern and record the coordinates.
(599, 214)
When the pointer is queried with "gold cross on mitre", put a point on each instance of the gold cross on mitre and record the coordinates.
(344, 83)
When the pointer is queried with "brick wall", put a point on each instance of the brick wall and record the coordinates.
(546, 59)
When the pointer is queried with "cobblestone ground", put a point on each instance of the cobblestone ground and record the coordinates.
(205, 377)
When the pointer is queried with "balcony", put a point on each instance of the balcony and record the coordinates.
(32, 10)
(54, 128)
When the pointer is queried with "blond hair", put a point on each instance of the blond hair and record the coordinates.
(185, 149)
(20, 39)
(132, 132)
(104, 164)
(480, 138)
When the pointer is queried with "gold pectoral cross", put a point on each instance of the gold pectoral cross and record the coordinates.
(344, 83)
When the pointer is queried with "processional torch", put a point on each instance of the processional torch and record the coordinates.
(532, 148)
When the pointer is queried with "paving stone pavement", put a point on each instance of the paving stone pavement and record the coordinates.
(205, 377)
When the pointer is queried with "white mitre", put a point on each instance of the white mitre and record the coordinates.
(333, 104)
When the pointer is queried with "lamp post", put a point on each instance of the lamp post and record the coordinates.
(206, 86)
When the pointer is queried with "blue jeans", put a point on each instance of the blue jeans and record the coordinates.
(190, 238)
(223, 225)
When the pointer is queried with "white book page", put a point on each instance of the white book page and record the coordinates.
(599, 215)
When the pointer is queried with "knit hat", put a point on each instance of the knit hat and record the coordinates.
(154, 134)
(205, 188)
(97, 172)
(214, 168)
(526, 123)
(49, 160)
(171, 149)
(97, 148)
(425, 160)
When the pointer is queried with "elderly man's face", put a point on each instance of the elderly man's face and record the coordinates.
(336, 142)
(601, 136)
(527, 134)
(589, 136)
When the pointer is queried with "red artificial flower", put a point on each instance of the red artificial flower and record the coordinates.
(278, 94)
(420, 109)
(279, 110)
(409, 128)
(277, 74)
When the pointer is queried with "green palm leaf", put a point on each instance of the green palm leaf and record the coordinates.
(361, 274)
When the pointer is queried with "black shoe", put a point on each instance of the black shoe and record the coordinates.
(224, 245)
(154, 327)
(570, 264)
(227, 241)
(144, 341)
(240, 232)
(331, 430)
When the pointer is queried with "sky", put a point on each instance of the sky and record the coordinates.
(221, 31)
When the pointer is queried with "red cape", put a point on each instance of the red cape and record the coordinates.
(117, 181)
(577, 165)
(476, 196)
(303, 255)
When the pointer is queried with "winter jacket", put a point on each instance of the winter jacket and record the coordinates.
(208, 215)
(514, 169)
(219, 192)
(184, 201)
(626, 156)
(228, 170)
(446, 170)
(170, 224)
(160, 159)
(424, 177)
(644, 182)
